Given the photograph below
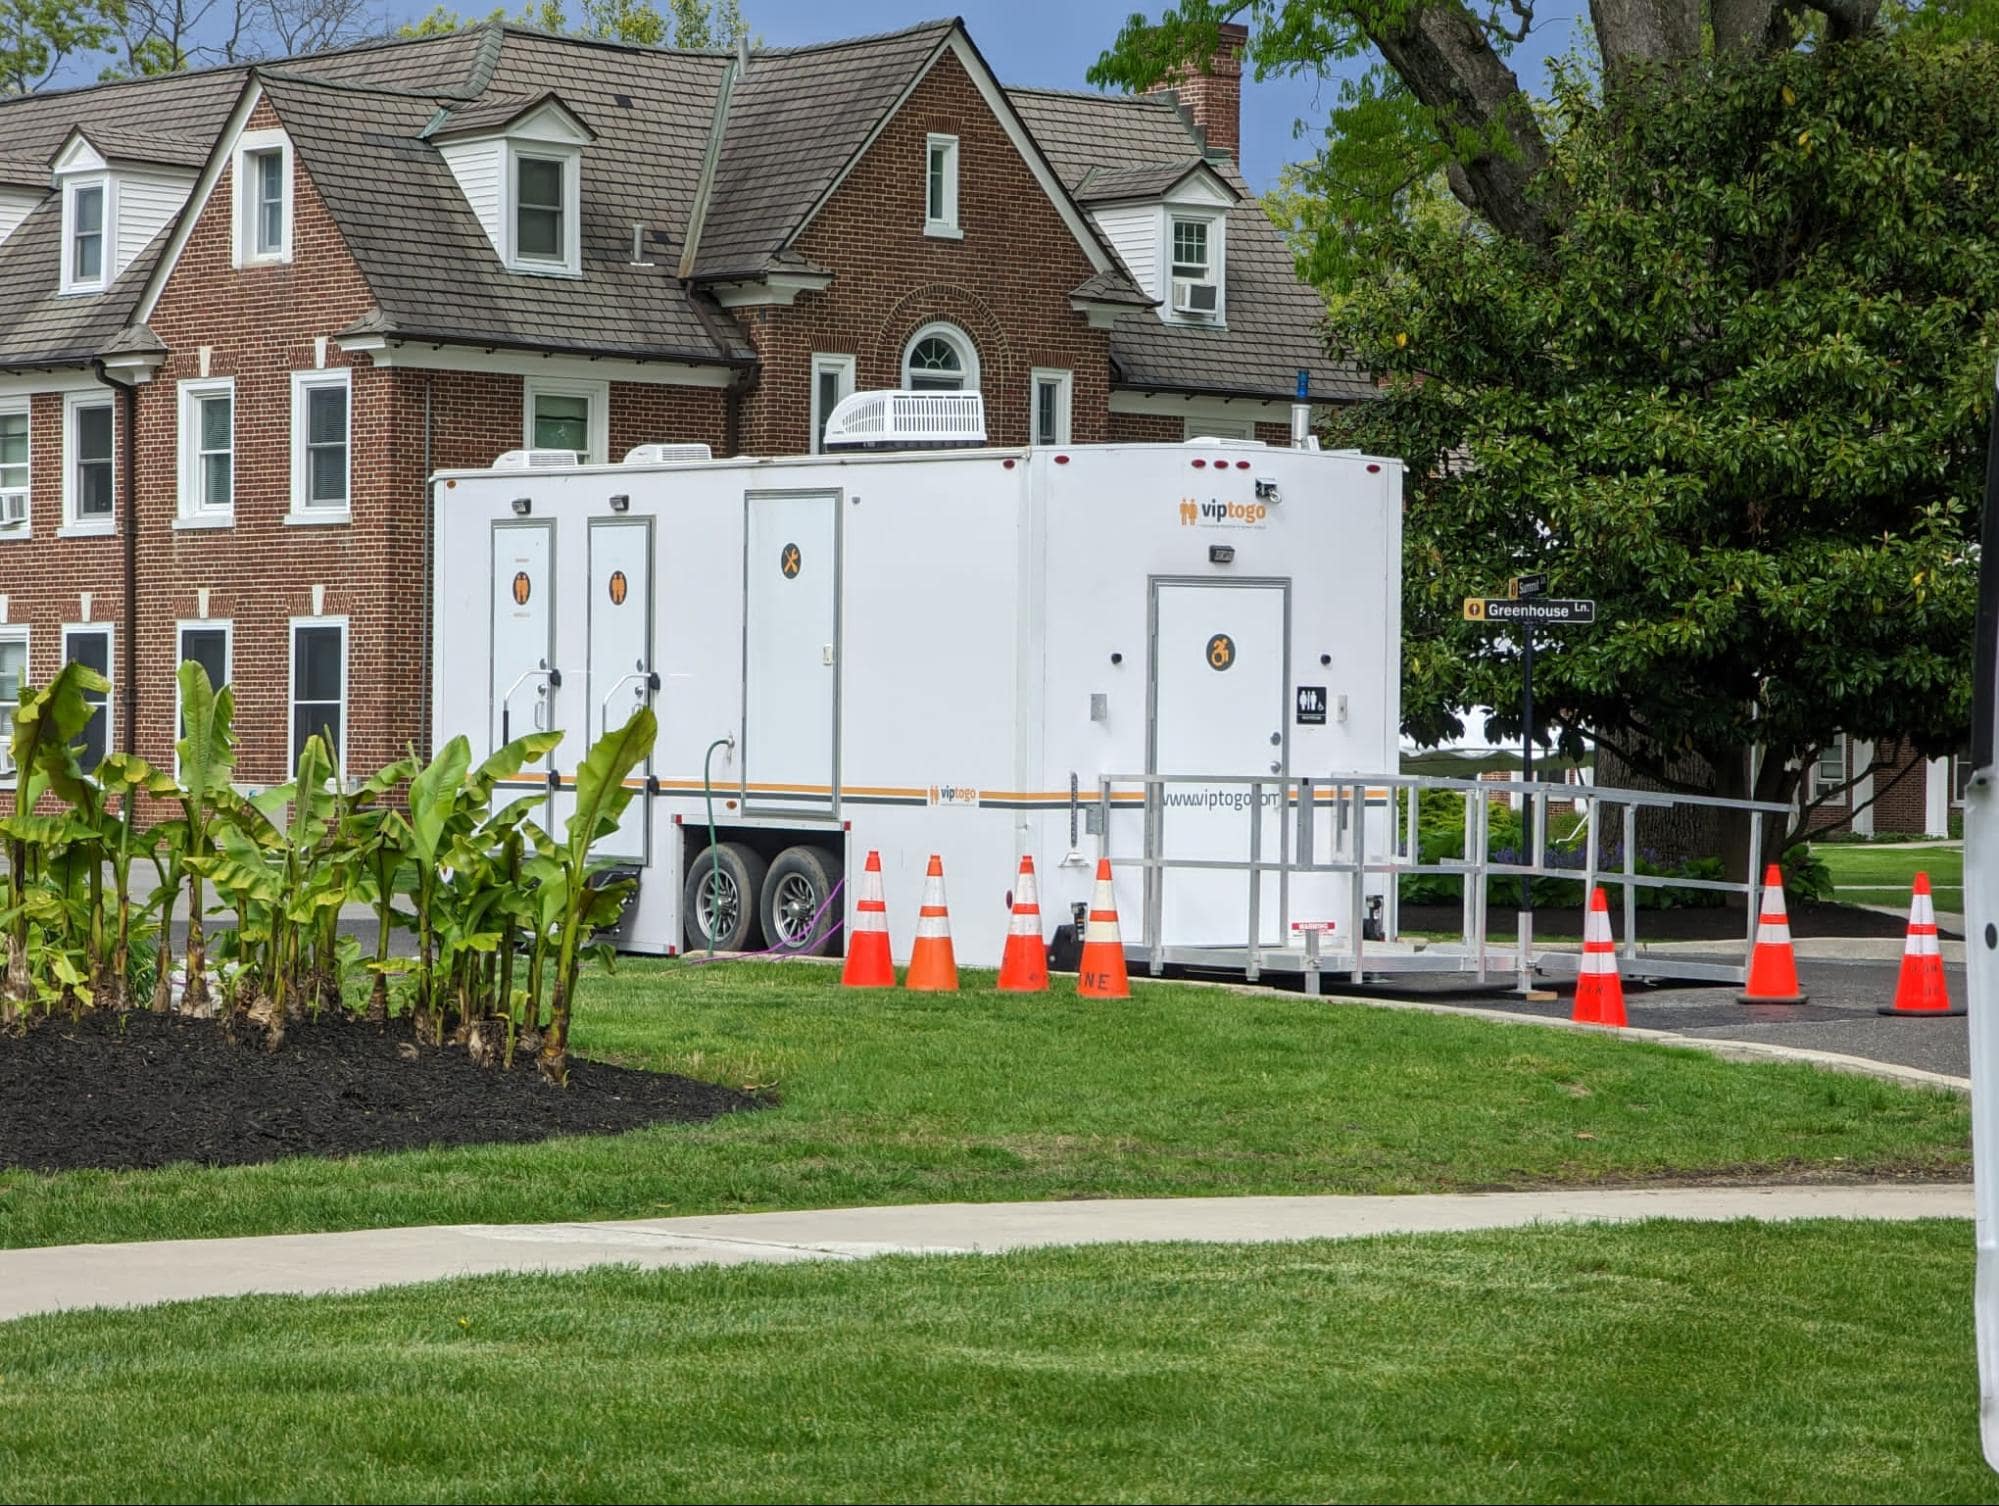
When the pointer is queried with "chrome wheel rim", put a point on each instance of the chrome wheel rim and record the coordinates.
(721, 903)
(796, 902)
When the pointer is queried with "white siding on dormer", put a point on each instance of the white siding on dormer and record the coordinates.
(15, 206)
(148, 200)
(477, 167)
(1133, 231)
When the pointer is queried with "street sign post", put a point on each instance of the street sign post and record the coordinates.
(1526, 606)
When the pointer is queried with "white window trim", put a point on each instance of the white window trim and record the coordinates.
(202, 624)
(571, 158)
(1820, 784)
(599, 394)
(192, 507)
(12, 407)
(21, 634)
(944, 226)
(303, 508)
(108, 229)
(72, 525)
(110, 632)
(822, 363)
(245, 247)
(1217, 223)
(967, 351)
(291, 686)
(1065, 383)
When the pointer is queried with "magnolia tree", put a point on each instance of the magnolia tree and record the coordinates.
(1712, 343)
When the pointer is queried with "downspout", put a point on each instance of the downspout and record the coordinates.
(429, 569)
(128, 628)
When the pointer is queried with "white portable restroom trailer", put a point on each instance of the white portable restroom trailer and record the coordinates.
(933, 651)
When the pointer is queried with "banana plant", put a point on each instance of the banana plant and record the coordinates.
(207, 752)
(373, 837)
(46, 723)
(127, 777)
(601, 798)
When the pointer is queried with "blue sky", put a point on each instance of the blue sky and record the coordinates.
(1050, 43)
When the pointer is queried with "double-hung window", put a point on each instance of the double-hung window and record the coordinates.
(1830, 771)
(13, 675)
(541, 210)
(90, 469)
(321, 473)
(90, 646)
(263, 190)
(267, 177)
(1050, 415)
(568, 415)
(13, 469)
(206, 644)
(832, 380)
(208, 449)
(84, 242)
(319, 684)
(940, 186)
(1190, 249)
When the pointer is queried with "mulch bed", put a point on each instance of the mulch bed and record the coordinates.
(1809, 917)
(144, 1090)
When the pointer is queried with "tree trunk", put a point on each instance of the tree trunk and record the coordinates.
(194, 992)
(1647, 33)
(1440, 52)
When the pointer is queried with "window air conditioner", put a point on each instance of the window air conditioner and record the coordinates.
(1190, 297)
(13, 509)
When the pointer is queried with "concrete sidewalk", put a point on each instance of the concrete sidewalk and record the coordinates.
(133, 1275)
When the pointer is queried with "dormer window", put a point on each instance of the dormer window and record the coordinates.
(263, 188)
(86, 218)
(519, 164)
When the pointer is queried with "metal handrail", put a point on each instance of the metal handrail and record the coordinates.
(1353, 793)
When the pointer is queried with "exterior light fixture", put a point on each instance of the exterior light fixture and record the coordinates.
(523, 506)
(621, 502)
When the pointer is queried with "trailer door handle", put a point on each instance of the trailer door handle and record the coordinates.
(826, 653)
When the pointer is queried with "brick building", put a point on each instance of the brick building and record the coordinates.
(245, 313)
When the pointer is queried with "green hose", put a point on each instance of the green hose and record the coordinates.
(727, 740)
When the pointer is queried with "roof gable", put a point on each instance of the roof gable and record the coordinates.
(538, 117)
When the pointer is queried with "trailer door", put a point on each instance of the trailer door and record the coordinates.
(791, 640)
(620, 671)
(1220, 665)
(523, 630)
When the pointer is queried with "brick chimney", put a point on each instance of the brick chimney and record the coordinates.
(1211, 91)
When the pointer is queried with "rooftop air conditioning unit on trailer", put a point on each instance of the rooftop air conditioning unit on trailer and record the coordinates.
(537, 460)
(908, 420)
(1190, 297)
(667, 454)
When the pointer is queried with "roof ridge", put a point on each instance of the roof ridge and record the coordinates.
(1153, 100)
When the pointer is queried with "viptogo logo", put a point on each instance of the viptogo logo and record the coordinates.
(1215, 513)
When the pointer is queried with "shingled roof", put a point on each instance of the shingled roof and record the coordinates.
(752, 151)
(1274, 320)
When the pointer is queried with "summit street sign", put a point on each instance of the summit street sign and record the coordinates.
(1540, 611)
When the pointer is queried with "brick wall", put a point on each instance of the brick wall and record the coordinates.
(1211, 91)
(1006, 284)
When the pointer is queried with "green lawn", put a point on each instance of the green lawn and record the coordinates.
(1815, 1362)
(905, 1098)
(1869, 875)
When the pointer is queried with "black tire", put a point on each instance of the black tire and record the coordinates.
(796, 889)
(738, 878)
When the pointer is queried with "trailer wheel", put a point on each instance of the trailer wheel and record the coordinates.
(721, 898)
(797, 888)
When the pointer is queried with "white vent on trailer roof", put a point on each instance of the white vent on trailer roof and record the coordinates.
(667, 454)
(537, 460)
(1223, 439)
(908, 420)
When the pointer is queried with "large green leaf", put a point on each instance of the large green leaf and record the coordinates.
(207, 751)
(600, 780)
(510, 760)
(434, 796)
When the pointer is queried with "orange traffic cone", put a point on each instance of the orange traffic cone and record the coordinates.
(1024, 964)
(1921, 988)
(1103, 975)
(1773, 967)
(868, 961)
(933, 967)
(1599, 991)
